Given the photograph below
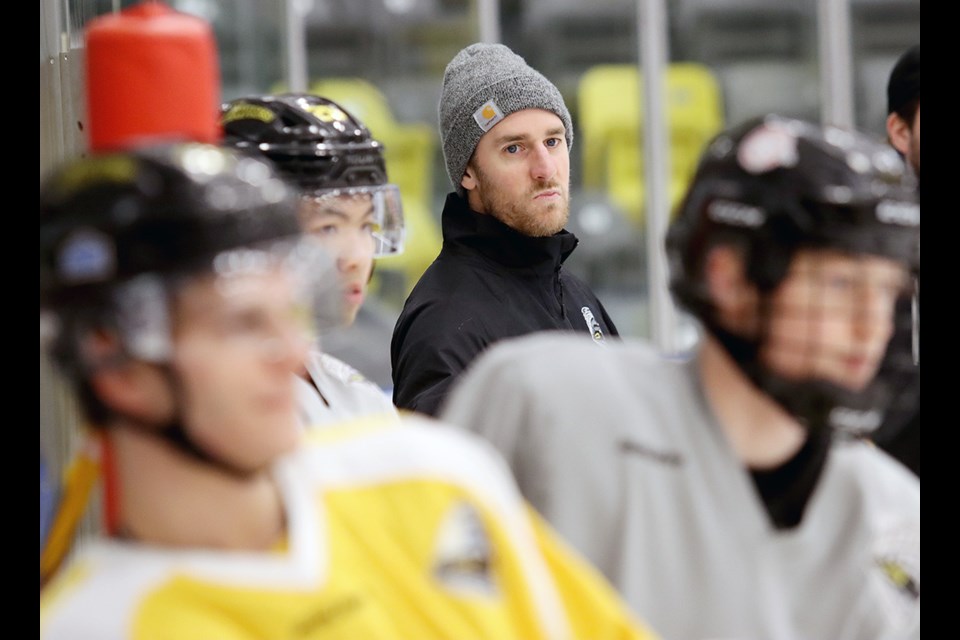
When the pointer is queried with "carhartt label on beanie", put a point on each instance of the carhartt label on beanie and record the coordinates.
(488, 115)
(482, 85)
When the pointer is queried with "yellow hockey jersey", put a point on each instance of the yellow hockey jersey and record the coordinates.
(402, 530)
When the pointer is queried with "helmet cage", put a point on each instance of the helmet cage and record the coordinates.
(821, 188)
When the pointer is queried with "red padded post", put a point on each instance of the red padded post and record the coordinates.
(152, 75)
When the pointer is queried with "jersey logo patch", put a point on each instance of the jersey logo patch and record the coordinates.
(462, 556)
(896, 557)
(592, 325)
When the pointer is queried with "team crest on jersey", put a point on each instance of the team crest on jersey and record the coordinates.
(593, 325)
(462, 555)
(896, 557)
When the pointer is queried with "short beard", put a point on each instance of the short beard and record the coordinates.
(507, 212)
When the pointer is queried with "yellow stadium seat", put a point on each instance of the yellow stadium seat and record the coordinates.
(409, 149)
(610, 121)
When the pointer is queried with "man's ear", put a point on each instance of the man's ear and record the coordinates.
(469, 179)
(898, 132)
(733, 296)
(128, 387)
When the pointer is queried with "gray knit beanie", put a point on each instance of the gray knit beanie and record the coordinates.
(482, 85)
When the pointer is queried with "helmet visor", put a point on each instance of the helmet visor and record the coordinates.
(142, 311)
(377, 211)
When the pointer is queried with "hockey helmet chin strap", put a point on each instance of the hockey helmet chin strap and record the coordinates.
(818, 405)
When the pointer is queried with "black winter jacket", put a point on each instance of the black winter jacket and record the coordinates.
(489, 282)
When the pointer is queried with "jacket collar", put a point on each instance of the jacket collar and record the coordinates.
(500, 243)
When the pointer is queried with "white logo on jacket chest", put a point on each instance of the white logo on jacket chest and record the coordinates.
(592, 325)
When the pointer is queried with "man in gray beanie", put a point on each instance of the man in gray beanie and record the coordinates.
(506, 136)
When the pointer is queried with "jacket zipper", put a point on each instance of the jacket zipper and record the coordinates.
(559, 287)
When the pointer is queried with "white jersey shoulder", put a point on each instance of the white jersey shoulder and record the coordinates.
(367, 448)
(336, 392)
(643, 438)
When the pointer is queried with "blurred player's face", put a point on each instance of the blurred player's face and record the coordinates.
(345, 225)
(832, 318)
(237, 341)
(520, 173)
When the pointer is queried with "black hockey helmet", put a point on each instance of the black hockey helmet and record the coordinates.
(107, 218)
(323, 149)
(314, 142)
(117, 229)
(777, 184)
(774, 185)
